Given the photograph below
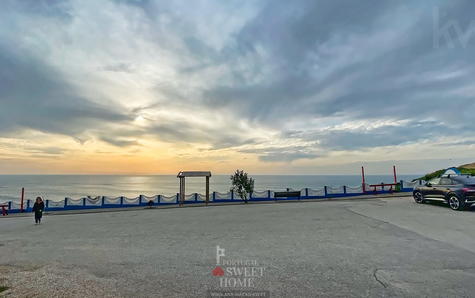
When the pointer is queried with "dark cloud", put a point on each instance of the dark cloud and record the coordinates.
(387, 135)
(353, 60)
(362, 138)
(134, 2)
(36, 96)
(58, 9)
(119, 142)
(119, 67)
(458, 143)
(189, 132)
(44, 150)
(284, 154)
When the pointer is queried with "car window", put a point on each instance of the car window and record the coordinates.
(469, 181)
(434, 181)
(446, 181)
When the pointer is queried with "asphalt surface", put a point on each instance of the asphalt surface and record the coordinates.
(388, 247)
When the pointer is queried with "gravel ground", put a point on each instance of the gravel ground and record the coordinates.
(363, 247)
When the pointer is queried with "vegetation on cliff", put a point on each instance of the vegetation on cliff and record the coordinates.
(468, 169)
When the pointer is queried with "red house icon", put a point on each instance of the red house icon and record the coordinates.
(218, 271)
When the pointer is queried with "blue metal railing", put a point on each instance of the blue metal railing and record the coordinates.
(159, 200)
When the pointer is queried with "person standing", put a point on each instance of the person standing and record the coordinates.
(38, 208)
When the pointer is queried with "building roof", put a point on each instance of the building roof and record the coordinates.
(194, 174)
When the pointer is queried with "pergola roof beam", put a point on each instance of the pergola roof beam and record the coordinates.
(194, 174)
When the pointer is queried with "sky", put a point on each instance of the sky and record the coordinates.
(271, 87)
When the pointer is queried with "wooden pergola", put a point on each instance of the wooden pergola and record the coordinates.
(182, 175)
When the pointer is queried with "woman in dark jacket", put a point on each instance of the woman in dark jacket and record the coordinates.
(38, 208)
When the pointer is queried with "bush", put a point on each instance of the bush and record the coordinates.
(242, 185)
(3, 288)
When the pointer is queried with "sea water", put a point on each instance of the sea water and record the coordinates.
(57, 187)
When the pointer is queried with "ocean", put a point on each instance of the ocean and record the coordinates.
(57, 187)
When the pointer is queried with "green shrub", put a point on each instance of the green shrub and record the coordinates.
(242, 185)
(3, 288)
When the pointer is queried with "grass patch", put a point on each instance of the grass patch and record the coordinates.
(3, 288)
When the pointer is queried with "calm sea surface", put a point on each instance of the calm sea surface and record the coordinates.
(57, 187)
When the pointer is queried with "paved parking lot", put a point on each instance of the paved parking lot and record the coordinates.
(360, 247)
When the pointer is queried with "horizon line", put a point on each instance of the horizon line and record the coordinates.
(217, 174)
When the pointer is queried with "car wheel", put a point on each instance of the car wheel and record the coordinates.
(455, 202)
(418, 197)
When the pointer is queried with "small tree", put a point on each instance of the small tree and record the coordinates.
(242, 185)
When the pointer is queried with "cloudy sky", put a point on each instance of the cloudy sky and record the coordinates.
(304, 86)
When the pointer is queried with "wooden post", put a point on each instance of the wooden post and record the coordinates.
(207, 190)
(22, 198)
(182, 190)
(182, 175)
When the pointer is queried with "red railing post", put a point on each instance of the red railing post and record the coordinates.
(395, 176)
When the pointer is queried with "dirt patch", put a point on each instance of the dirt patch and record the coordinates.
(54, 280)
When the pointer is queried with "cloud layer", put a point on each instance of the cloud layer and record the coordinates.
(279, 81)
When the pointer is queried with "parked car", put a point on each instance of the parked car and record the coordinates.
(457, 191)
